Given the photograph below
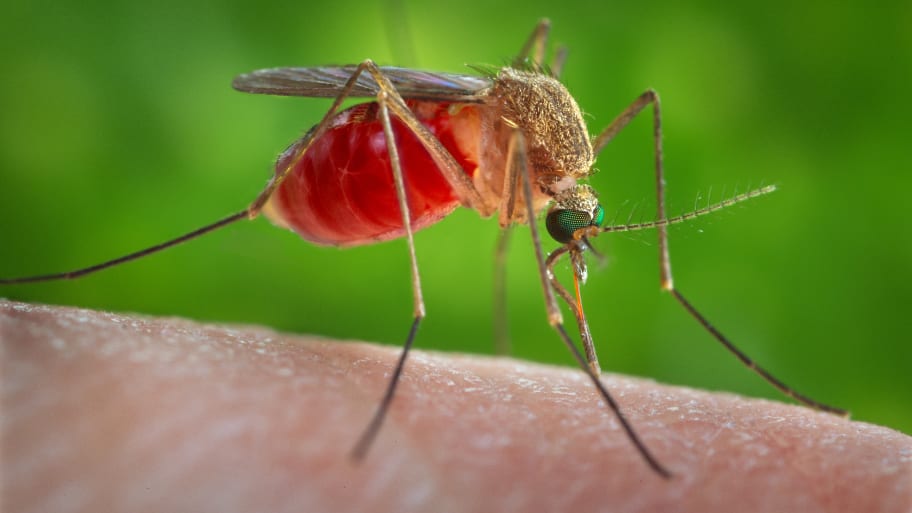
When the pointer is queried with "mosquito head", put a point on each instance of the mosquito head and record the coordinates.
(574, 208)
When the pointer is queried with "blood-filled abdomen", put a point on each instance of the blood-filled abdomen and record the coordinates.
(341, 191)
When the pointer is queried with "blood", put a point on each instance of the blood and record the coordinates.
(341, 192)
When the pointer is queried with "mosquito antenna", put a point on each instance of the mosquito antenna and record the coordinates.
(132, 256)
(630, 226)
(648, 225)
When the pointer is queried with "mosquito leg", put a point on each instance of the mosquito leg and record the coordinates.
(69, 275)
(665, 276)
(508, 194)
(507, 213)
(516, 165)
(373, 428)
(455, 176)
(257, 206)
(557, 64)
(516, 161)
(402, 196)
(782, 387)
(501, 321)
(534, 45)
(516, 156)
(370, 433)
(623, 119)
(251, 212)
(517, 149)
(389, 100)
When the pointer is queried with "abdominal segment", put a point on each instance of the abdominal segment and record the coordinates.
(341, 191)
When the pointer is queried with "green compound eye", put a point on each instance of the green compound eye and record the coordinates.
(562, 223)
(599, 216)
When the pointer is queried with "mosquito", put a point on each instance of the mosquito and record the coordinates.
(509, 140)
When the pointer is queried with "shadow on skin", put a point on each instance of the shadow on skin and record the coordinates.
(111, 412)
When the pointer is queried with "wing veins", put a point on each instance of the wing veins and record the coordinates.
(327, 82)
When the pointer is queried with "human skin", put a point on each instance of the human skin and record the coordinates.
(110, 412)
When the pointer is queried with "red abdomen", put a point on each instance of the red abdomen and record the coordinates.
(341, 192)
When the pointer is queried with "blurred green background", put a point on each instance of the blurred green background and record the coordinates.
(118, 129)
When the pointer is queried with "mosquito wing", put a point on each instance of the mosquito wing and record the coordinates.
(327, 82)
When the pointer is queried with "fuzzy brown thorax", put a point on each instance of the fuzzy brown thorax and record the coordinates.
(558, 147)
(556, 136)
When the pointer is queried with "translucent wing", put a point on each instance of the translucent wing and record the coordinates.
(328, 81)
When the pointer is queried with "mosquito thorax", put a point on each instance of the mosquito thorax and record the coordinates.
(557, 138)
(575, 208)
